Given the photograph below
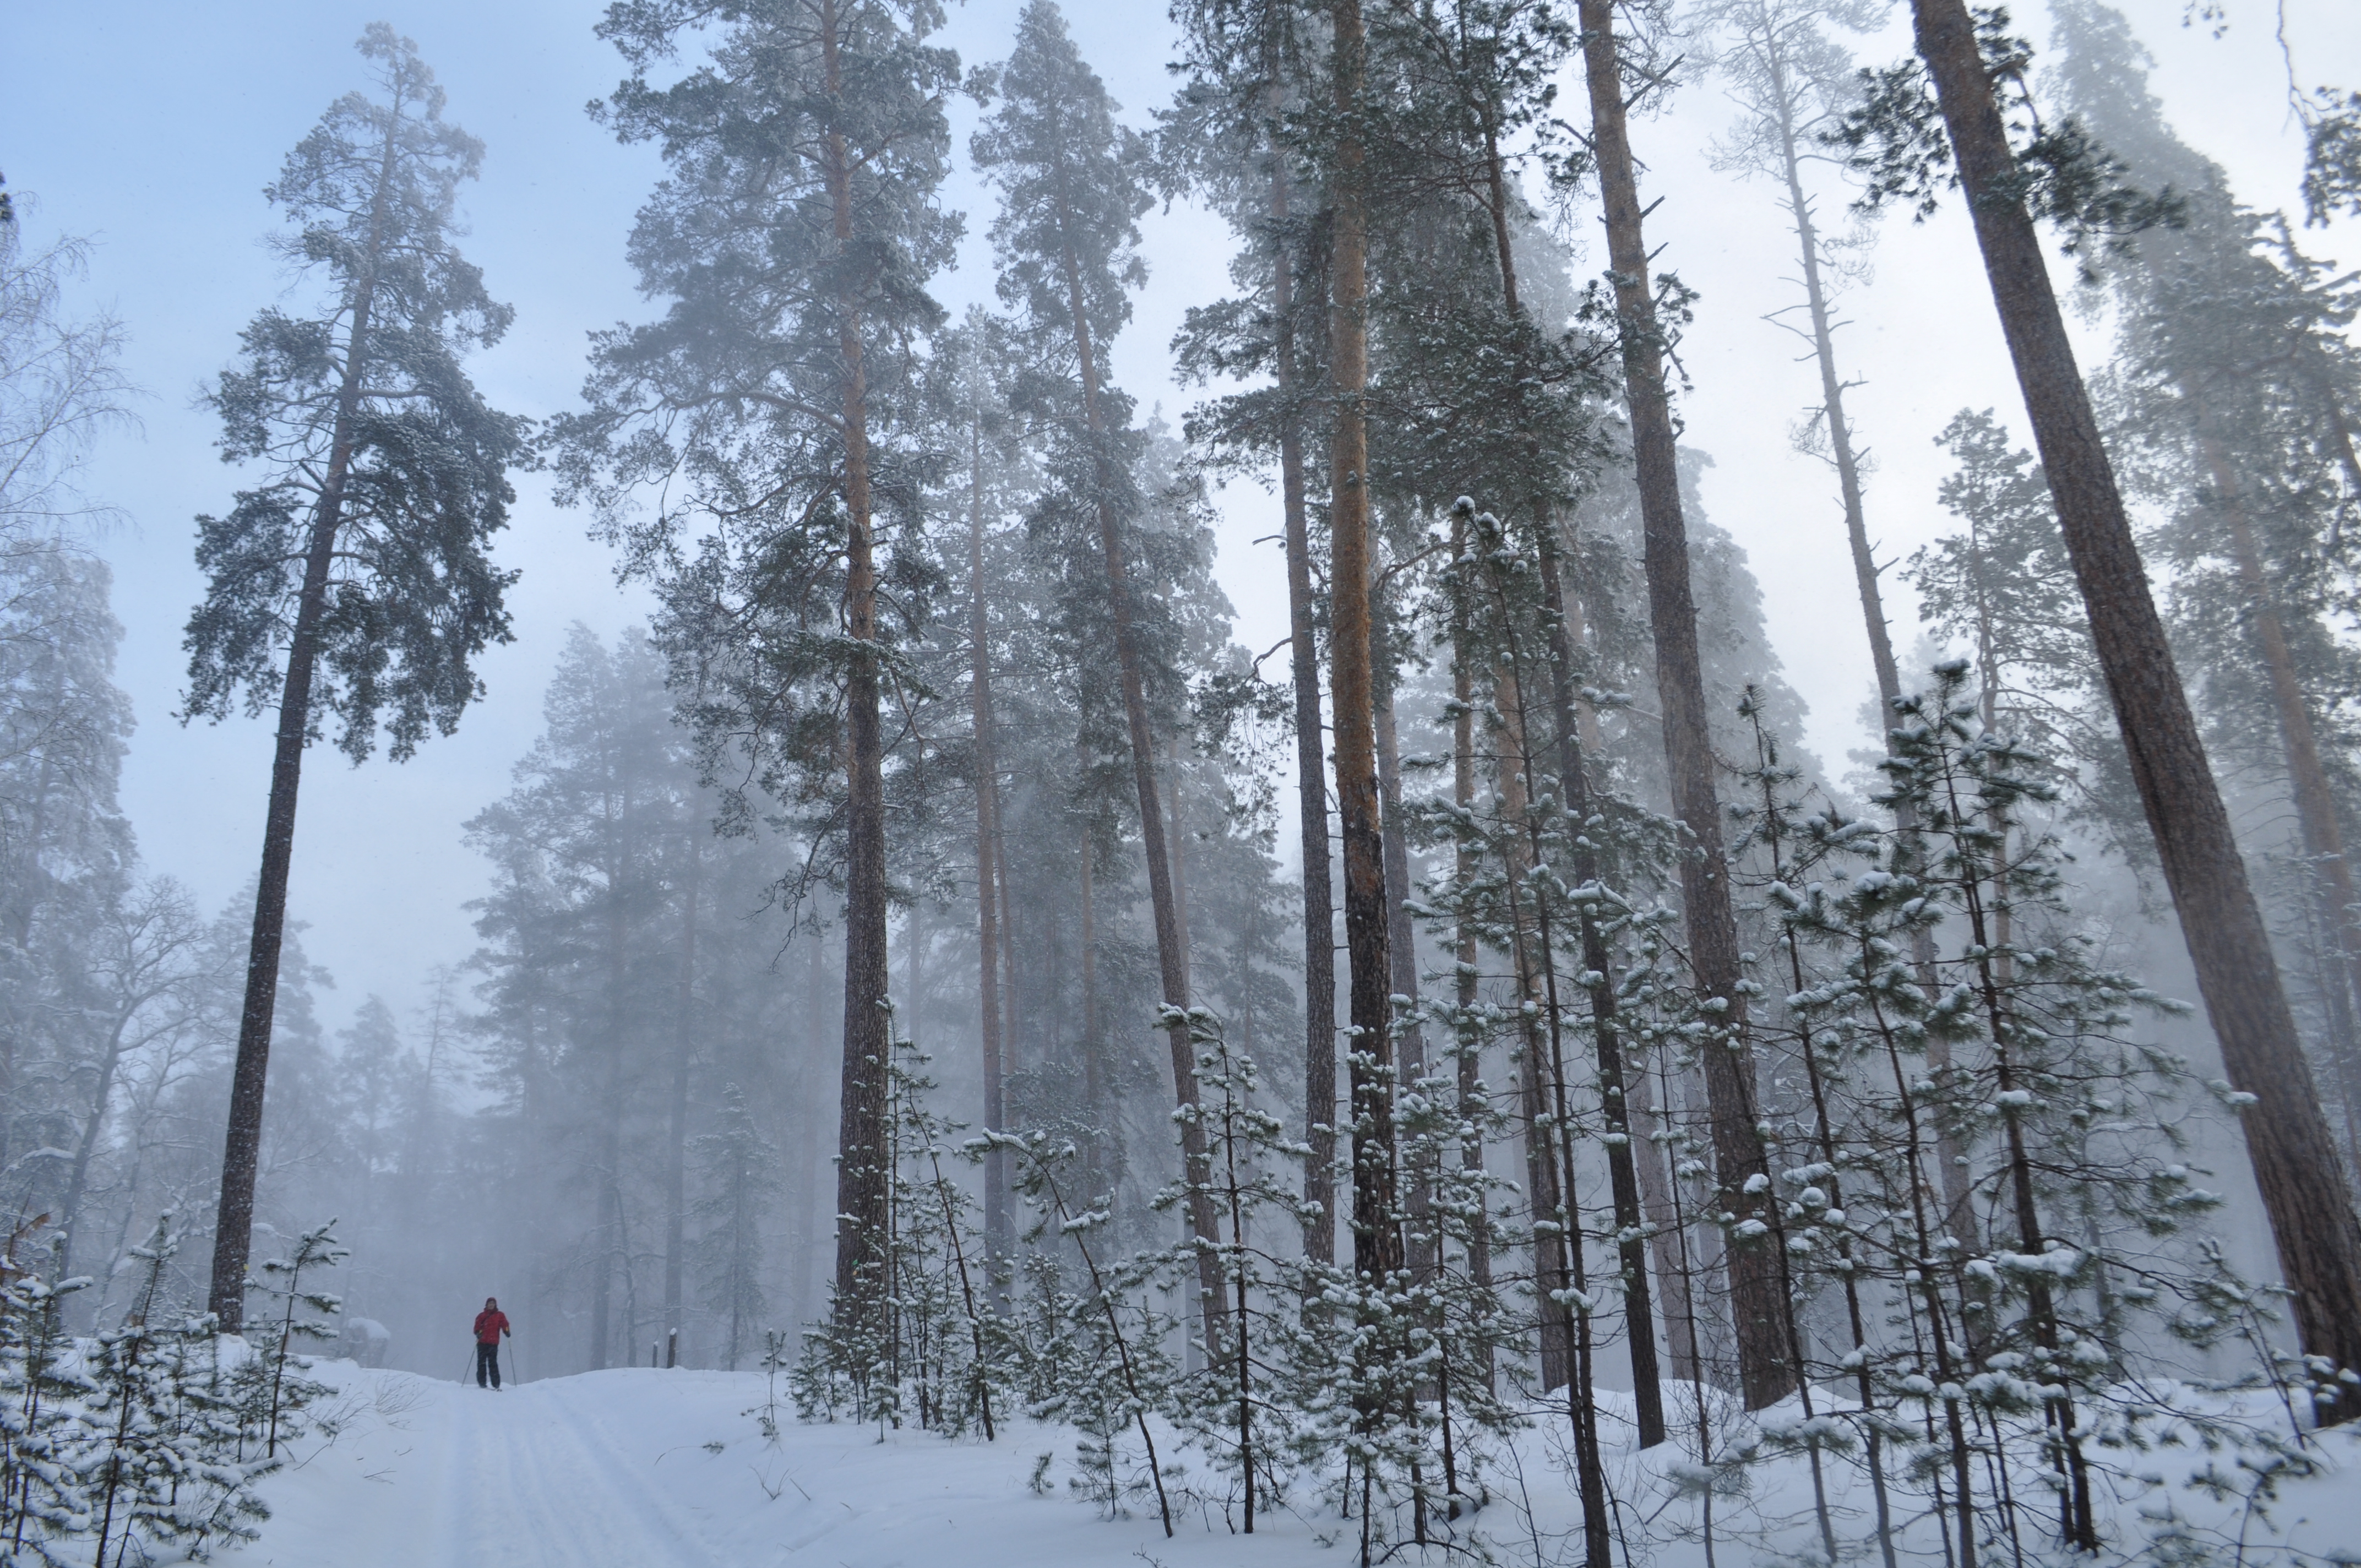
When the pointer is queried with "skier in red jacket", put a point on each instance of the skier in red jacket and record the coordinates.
(491, 1324)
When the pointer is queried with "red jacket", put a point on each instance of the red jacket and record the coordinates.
(490, 1323)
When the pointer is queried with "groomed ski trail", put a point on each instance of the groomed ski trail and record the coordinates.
(535, 1481)
(458, 1477)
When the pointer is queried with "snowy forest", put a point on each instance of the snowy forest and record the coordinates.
(1489, 1075)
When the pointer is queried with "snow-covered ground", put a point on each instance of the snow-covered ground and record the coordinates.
(642, 1468)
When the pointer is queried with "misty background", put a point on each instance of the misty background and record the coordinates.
(151, 130)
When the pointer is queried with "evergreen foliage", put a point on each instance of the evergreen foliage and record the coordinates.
(1895, 140)
(936, 1354)
(142, 1438)
(361, 553)
(2006, 588)
(773, 409)
(377, 457)
(1991, 1399)
(2331, 160)
(282, 1281)
(1768, 1169)
(1098, 1360)
(2228, 392)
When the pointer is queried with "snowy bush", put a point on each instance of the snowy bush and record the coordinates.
(153, 1432)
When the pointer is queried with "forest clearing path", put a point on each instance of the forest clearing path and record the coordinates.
(634, 1467)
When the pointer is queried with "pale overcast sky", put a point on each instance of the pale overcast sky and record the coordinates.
(151, 128)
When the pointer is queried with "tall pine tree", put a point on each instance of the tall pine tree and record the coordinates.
(769, 408)
(352, 579)
(1742, 1165)
(1944, 117)
(1066, 238)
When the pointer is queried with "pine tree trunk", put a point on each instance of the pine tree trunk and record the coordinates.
(807, 1172)
(1848, 465)
(998, 1222)
(2315, 802)
(1757, 1305)
(1311, 762)
(1672, 1297)
(609, 1238)
(2317, 819)
(1172, 954)
(2340, 434)
(2294, 1157)
(69, 1207)
(1377, 1233)
(1545, 1196)
(1311, 817)
(1178, 829)
(1956, 1195)
(1648, 1397)
(862, 1175)
(1009, 1055)
(1624, 1180)
(1093, 1049)
(242, 1147)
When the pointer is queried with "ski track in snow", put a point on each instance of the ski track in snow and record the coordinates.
(529, 1477)
(515, 1496)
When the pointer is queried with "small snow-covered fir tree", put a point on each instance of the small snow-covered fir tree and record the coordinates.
(1996, 1363)
(164, 1458)
(1446, 1120)
(1236, 1409)
(42, 1428)
(936, 1351)
(273, 1382)
(1096, 1353)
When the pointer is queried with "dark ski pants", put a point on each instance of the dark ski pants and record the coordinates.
(488, 1359)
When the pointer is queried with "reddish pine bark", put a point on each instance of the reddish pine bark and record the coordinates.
(998, 1227)
(1756, 1302)
(1171, 942)
(1311, 770)
(1377, 1233)
(242, 1143)
(861, 1177)
(2294, 1158)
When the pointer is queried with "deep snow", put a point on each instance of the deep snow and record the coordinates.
(642, 1468)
